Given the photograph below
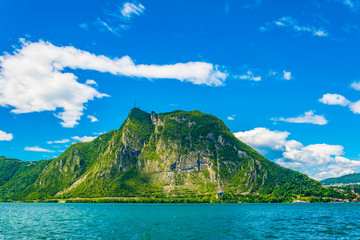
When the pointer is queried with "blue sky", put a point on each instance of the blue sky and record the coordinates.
(283, 75)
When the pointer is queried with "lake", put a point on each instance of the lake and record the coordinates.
(179, 221)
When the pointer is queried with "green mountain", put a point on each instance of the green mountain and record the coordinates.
(346, 179)
(17, 178)
(177, 156)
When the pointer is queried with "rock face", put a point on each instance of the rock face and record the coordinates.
(163, 155)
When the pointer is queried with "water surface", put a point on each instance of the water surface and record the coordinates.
(179, 221)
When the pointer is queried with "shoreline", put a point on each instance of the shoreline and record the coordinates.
(157, 200)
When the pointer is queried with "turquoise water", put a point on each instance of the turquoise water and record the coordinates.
(179, 221)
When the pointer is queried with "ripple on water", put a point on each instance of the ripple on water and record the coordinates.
(180, 221)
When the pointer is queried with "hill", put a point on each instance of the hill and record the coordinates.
(172, 157)
(346, 179)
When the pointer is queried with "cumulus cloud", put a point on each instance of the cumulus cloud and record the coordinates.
(83, 139)
(356, 86)
(34, 78)
(5, 136)
(292, 144)
(58, 141)
(250, 76)
(355, 107)
(90, 82)
(263, 138)
(319, 161)
(257, 75)
(232, 117)
(293, 25)
(37, 149)
(334, 99)
(336, 170)
(287, 75)
(308, 117)
(326, 149)
(92, 118)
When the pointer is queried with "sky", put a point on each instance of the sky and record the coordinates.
(284, 76)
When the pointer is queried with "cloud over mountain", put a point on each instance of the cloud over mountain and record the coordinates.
(34, 78)
(319, 161)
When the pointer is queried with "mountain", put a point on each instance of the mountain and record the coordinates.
(176, 156)
(346, 179)
(17, 178)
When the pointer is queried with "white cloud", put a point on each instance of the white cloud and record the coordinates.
(355, 107)
(92, 118)
(292, 24)
(334, 99)
(250, 76)
(263, 138)
(259, 75)
(34, 78)
(336, 170)
(37, 149)
(232, 117)
(58, 141)
(319, 161)
(83, 139)
(292, 144)
(90, 82)
(5, 136)
(326, 149)
(356, 85)
(287, 75)
(320, 33)
(128, 10)
(308, 117)
(119, 19)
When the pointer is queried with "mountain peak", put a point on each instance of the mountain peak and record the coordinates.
(180, 154)
(135, 111)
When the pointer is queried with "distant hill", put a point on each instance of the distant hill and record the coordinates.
(346, 179)
(178, 157)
